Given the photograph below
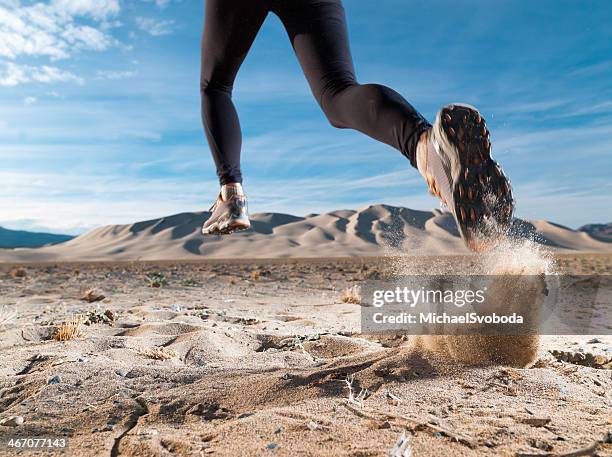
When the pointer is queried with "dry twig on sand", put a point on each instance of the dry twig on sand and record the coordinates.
(583, 452)
(394, 399)
(402, 447)
(415, 425)
(299, 345)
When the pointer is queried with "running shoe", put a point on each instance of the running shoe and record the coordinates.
(228, 216)
(458, 168)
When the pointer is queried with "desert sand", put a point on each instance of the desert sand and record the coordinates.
(263, 357)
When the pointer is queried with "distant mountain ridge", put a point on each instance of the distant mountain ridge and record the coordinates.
(602, 232)
(372, 231)
(23, 239)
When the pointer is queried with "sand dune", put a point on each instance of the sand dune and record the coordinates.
(374, 230)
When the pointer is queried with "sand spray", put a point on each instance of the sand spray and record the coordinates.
(519, 267)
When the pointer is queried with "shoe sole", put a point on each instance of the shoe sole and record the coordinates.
(482, 195)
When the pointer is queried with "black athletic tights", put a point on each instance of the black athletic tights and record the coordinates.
(318, 33)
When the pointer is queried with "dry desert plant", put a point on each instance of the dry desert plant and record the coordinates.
(352, 398)
(158, 353)
(351, 295)
(255, 275)
(96, 316)
(189, 282)
(156, 280)
(68, 330)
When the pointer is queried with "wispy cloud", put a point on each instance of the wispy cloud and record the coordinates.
(160, 3)
(573, 205)
(54, 201)
(96, 9)
(13, 74)
(155, 27)
(115, 75)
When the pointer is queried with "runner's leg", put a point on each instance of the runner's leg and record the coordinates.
(230, 26)
(318, 32)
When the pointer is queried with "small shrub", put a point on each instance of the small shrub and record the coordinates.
(97, 317)
(351, 295)
(156, 280)
(68, 330)
(18, 273)
(255, 275)
(189, 282)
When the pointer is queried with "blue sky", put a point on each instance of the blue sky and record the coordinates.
(100, 123)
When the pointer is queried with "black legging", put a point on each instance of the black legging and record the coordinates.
(317, 29)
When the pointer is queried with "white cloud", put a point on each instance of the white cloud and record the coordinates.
(46, 74)
(160, 3)
(59, 29)
(53, 29)
(97, 9)
(86, 37)
(115, 75)
(29, 101)
(14, 74)
(155, 27)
